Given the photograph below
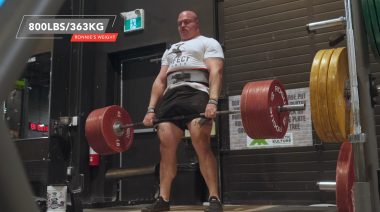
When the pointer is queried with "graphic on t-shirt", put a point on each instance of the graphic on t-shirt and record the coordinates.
(179, 59)
(177, 50)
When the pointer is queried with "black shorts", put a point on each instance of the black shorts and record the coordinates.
(183, 100)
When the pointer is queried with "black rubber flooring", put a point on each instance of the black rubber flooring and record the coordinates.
(244, 208)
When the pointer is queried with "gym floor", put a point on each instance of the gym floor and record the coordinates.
(246, 208)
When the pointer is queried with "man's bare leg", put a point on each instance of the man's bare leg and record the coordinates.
(200, 136)
(170, 136)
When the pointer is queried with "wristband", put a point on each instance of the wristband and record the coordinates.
(213, 101)
(150, 110)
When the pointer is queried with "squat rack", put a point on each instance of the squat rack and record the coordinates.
(363, 137)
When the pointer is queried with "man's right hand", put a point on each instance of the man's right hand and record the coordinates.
(149, 119)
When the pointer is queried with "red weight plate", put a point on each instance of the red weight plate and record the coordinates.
(278, 120)
(101, 134)
(345, 178)
(260, 116)
(243, 110)
(93, 132)
(247, 102)
(263, 129)
(250, 105)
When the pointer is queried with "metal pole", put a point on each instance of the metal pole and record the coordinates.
(117, 174)
(366, 197)
(325, 24)
(121, 105)
(356, 138)
(327, 186)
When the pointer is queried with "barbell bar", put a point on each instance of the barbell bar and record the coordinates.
(283, 108)
(264, 111)
(120, 173)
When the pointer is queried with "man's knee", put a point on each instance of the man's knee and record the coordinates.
(169, 135)
(202, 124)
(169, 130)
(200, 128)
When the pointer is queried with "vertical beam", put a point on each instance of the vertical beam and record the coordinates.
(122, 105)
(365, 186)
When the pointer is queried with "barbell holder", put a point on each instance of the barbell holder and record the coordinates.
(284, 108)
(341, 21)
(327, 185)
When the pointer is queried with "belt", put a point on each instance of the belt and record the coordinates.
(200, 76)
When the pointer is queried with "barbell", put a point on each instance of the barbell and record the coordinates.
(283, 108)
(264, 110)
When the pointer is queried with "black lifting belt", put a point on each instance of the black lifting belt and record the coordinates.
(200, 76)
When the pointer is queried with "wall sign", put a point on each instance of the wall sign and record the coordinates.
(133, 20)
(38, 127)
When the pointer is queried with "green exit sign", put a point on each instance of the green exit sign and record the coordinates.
(132, 24)
(133, 20)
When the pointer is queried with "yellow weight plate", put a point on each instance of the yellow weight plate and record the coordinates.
(339, 111)
(322, 96)
(313, 84)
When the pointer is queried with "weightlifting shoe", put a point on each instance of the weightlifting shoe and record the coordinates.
(159, 205)
(215, 205)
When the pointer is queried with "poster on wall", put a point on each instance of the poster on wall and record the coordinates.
(299, 129)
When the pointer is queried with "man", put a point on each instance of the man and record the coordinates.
(189, 82)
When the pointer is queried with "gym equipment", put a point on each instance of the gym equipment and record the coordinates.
(345, 178)
(101, 131)
(329, 98)
(264, 110)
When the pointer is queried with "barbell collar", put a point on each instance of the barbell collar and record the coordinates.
(286, 108)
(118, 129)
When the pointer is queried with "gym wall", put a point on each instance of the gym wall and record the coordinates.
(268, 40)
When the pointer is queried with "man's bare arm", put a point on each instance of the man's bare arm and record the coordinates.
(158, 88)
(215, 67)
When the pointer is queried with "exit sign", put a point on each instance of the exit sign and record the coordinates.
(133, 20)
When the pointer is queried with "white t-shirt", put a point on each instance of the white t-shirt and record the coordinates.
(190, 54)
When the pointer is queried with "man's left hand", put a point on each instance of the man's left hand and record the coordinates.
(210, 111)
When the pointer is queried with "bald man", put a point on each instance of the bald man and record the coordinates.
(189, 83)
